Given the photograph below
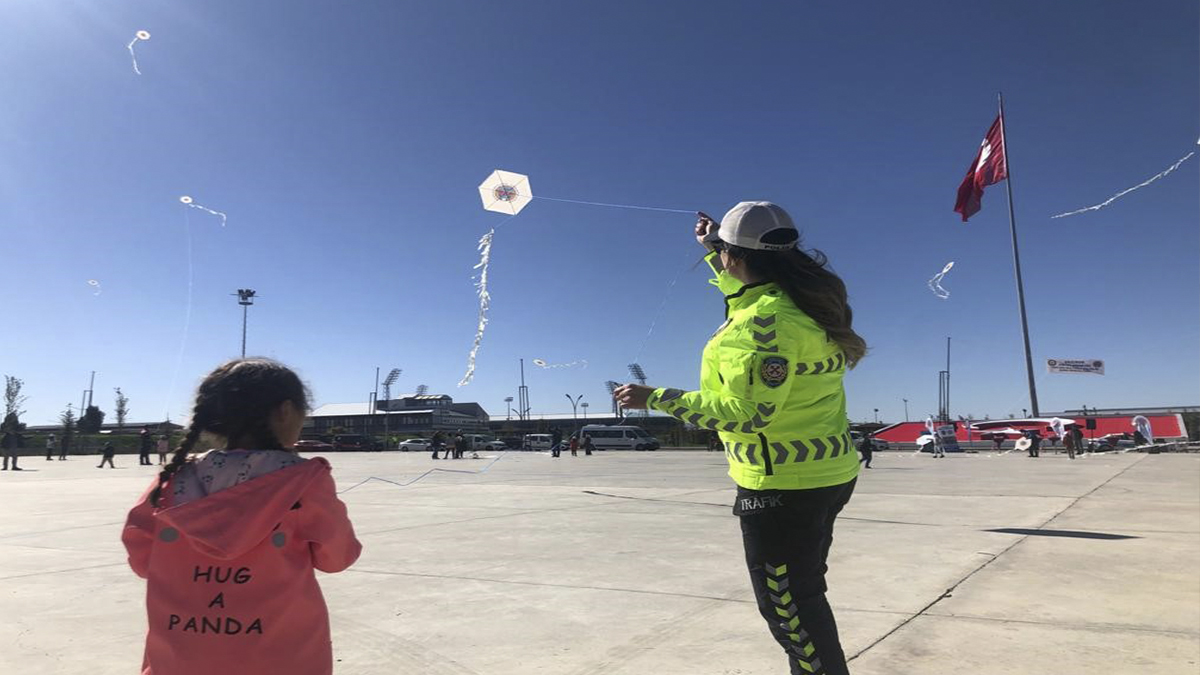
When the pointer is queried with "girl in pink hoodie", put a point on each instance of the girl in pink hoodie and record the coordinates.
(228, 540)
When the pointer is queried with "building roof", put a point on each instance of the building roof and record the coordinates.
(591, 417)
(353, 409)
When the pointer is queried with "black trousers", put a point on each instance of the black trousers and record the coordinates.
(787, 535)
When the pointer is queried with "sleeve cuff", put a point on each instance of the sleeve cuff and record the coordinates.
(655, 397)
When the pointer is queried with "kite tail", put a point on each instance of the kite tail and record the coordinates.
(485, 302)
(1122, 193)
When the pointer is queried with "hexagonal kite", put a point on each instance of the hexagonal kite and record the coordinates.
(505, 192)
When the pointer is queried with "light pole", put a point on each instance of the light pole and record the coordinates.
(508, 403)
(584, 405)
(387, 397)
(905, 409)
(574, 410)
(245, 299)
(877, 416)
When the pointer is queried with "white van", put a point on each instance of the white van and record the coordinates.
(537, 442)
(619, 437)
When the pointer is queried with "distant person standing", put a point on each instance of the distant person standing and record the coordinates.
(588, 446)
(460, 446)
(1077, 433)
(64, 446)
(107, 454)
(163, 448)
(939, 446)
(50, 447)
(439, 439)
(866, 448)
(998, 441)
(1069, 444)
(145, 442)
(1035, 443)
(10, 443)
(574, 446)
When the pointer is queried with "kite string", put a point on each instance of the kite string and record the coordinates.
(616, 206)
(1097, 207)
(427, 473)
(661, 306)
(187, 317)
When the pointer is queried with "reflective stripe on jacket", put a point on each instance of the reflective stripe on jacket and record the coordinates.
(771, 386)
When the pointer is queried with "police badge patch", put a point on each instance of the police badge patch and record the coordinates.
(774, 371)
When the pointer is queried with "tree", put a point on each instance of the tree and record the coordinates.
(67, 419)
(11, 423)
(122, 408)
(91, 421)
(12, 396)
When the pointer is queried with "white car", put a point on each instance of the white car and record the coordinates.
(415, 445)
(479, 442)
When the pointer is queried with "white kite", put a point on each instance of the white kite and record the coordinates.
(187, 201)
(96, 285)
(1122, 193)
(505, 192)
(139, 36)
(935, 284)
(546, 365)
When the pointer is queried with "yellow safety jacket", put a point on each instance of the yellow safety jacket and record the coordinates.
(771, 386)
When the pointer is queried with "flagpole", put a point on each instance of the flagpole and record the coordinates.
(1012, 223)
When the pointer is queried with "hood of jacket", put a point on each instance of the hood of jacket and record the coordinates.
(228, 523)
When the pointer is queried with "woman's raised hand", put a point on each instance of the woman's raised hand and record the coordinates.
(704, 225)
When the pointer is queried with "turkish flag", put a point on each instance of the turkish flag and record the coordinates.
(990, 166)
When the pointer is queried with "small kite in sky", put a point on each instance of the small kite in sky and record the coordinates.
(140, 36)
(187, 201)
(1122, 193)
(96, 285)
(935, 284)
(546, 365)
(505, 192)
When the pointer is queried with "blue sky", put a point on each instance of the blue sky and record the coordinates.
(345, 142)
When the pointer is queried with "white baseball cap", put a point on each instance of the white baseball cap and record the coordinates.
(762, 226)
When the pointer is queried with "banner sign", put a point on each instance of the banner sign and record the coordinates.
(1077, 366)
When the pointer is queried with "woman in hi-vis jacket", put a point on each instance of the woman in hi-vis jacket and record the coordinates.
(771, 386)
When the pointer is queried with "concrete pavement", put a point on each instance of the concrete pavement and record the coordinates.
(630, 563)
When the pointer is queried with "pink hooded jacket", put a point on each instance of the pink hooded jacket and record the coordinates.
(230, 582)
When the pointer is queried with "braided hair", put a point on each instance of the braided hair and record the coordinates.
(235, 401)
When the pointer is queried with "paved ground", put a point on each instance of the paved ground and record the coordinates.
(525, 569)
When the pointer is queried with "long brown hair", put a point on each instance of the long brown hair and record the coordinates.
(236, 401)
(813, 287)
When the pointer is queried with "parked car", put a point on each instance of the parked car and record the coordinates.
(415, 445)
(486, 443)
(310, 445)
(352, 443)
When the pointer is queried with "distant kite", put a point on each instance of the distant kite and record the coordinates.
(935, 284)
(187, 201)
(96, 285)
(542, 363)
(142, 36)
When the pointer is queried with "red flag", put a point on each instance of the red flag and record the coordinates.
(990, 166)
